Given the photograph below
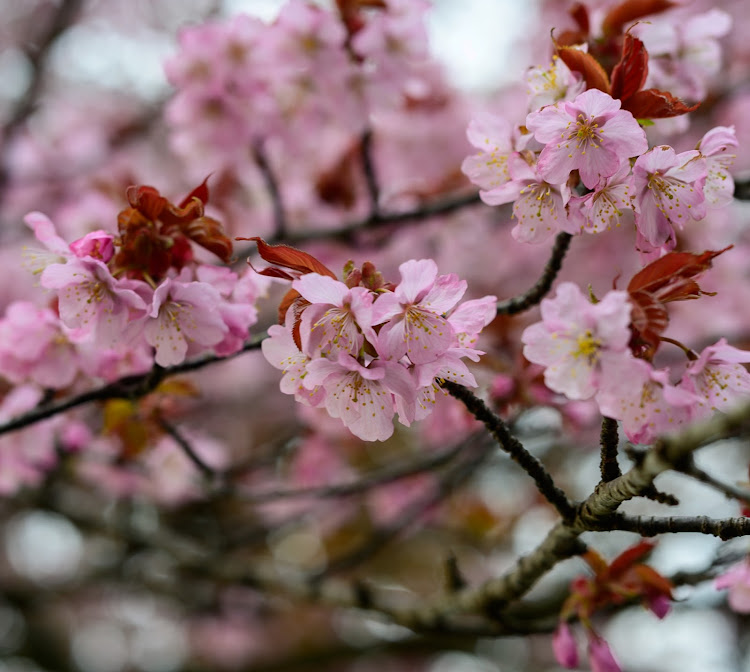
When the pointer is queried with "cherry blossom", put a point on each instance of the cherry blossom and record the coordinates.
(489, 168)
(547, 86)
(538, 206)
(605, 207)
(581, 344)
(361, 396)
(338, 317)
(600, 655)
(668, 192)
(718, 378)
(591, 134)
(716, 148)
(92, 303)
(737, 581)
(564, 646)
(282, 352)
(34, 348)
(183, 314)
(413, 313)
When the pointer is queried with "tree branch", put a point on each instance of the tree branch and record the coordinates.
(128, 387)
(609, 467)
(534, 295)
(511, 445)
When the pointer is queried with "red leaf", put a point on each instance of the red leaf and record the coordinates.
(595, 561)
(654, 581)
(147, 200)
(670, 278)
(290, 257)
(208, 233)
(655, 104)
(629, 557)
(629, 75)
(591, 70)
(200, 192)
(581, 16)
(631, 10)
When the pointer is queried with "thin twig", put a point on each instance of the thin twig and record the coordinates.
(534, 295)
(128, 387)
(274, 192)
(511, 445)
(368, 168)
(610, 469)
(187, 448)
(365, 482)
(731, 491)
(447, 484)
(650, 526)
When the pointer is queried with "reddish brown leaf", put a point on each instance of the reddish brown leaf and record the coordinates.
(630, 11)
(671, 278)
(147, 200)
(654, 581)
(629, 557)
(655, 104)
(595, 561)
(200, 193)
(591, 70)
(629, 75)
(208, 233)
(580, 15)
(648, 320)
(290, 257)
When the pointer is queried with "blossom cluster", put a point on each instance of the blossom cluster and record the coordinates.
(243, 80)
(366, 349)
(581, 162)
(587, 350)
(125, 300)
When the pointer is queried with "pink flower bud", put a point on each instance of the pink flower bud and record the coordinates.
(564, 646)
(600, 656)
(97, 244)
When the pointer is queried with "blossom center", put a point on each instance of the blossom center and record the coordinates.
(587, 346)
(586, 133)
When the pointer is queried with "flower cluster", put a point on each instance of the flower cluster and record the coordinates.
(604, 350)
(135, 297)
(366, 349)
(242, 80)
(581, 161)
(622, 580)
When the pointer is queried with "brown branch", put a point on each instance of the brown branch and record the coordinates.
(511, 445)
(274, 192)
(609, 467)
(365, 482)
(650, 526)
(533, 296)
(128, 387)
(368, 168)
(730, 491)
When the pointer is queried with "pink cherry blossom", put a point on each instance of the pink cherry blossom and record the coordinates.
(413, 313)
(282, 352)
(92, 303)
(33, 347)
(538, 206)
(183, 316)
(564, 646)
(646, 402)
(337, 317)
(601, 658)
(668, 192)
(97, 244)
(737, 581)
(362, 396)
(488, 169)
(718, 378)
(591, 134)
(552, 84)
(717, 147)
(56, 249)
(580, 343)
(606, 206)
